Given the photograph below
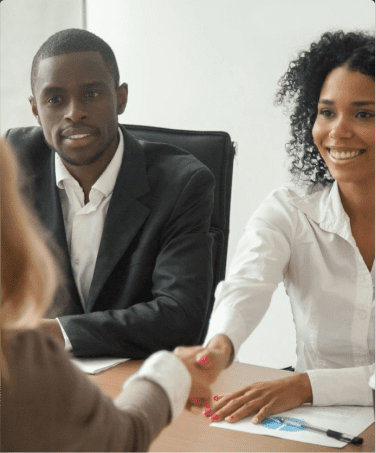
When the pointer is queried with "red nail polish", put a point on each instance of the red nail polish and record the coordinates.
(215, 398)
(207, 411)
(203, 361)
(215, 417)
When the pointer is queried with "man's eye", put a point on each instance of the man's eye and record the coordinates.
(54, 100)
(92, 94)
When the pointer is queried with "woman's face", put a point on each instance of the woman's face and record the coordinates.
(344, 130)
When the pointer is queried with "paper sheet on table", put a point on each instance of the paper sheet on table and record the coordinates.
(351, 420)
(96, 365)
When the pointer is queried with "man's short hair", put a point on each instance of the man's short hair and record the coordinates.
(74, 40)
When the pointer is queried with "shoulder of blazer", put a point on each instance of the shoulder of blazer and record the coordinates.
(29, 145)
(165, 155)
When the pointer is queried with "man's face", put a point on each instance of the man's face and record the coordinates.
(77, 104)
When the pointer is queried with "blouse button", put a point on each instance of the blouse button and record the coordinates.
(362, 314)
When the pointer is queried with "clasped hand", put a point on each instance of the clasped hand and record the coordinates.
(204, 365)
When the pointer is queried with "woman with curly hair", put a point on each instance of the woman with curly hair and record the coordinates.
(317, 235)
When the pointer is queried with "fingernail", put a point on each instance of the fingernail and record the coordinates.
(207, 411)
(229, 418)
(254, 420)
(215, 417)
(204, 360)
(215, 398)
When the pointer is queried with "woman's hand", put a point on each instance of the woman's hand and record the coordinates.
(262, 399)
(200, 393)
(204, 366)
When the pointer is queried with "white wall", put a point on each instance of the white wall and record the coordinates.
(194, 64)
(214, 65)
(24, 26)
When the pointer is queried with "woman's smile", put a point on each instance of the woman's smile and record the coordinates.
(337, 154)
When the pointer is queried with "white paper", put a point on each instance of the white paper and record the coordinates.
(96, 365)
(351, 420)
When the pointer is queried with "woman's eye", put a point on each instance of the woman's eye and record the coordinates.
(365, 115)
(326, 113)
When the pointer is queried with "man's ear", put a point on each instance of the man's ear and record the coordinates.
(122, 98)
(34, 109)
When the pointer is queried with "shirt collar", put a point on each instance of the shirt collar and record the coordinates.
(325, 208)
(106, 182)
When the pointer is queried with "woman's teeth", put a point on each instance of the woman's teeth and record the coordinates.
(345, 154)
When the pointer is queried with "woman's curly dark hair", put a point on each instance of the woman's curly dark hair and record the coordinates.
(301, 87)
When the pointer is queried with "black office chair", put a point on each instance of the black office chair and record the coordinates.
(216, 151)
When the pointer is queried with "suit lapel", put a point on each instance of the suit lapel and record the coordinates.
(125, 215)
(47, 204)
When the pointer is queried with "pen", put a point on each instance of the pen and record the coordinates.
(328, 432)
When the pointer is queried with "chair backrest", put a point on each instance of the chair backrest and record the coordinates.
(216, 151)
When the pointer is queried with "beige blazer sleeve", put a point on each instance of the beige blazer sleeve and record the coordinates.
(49, 405)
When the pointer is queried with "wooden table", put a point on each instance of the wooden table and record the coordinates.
(192, 432)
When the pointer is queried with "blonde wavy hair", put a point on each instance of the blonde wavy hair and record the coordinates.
(28, 270)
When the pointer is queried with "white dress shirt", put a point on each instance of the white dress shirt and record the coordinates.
(304, 238)
(84, 222)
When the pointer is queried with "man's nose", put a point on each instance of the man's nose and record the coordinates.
(75, 111)
(341, 128)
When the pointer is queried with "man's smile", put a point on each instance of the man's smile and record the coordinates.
(79, 140)
(79, 136)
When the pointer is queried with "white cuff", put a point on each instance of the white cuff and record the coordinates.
(165, 369)
(68, 345)
(371, 382)
(341, 386)
(229, 323)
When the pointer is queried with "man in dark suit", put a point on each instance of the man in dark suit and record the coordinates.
(130, 218)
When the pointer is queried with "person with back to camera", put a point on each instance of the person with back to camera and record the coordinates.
(318, 237)
(48, 404)
(131, 218)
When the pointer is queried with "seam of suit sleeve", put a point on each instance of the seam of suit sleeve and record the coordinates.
(200, 170)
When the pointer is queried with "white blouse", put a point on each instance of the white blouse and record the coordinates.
(303, 237)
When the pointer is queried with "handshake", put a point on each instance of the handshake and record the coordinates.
(260, 398)
(204, 365)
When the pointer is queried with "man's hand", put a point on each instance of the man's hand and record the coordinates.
(51, 328)
(262, 399)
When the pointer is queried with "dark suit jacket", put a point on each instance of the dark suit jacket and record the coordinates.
(153, 274)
